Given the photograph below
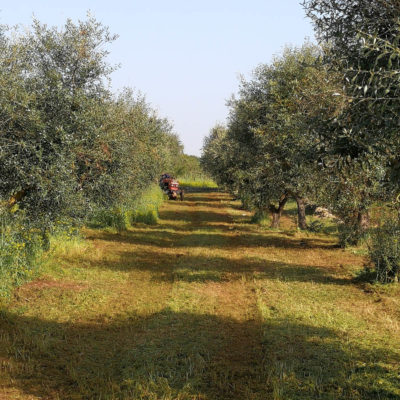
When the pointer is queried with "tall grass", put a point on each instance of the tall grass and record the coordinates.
(145, 209)
(197, 182)
(142, 209)
(20, 250)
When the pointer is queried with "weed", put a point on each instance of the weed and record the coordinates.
(145, 209)
(20, 250)
(261, 217)
(315, 226)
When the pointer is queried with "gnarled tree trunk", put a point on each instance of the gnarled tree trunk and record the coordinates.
(301, 212)
(276, 211)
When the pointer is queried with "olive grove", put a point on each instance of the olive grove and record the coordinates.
(69, 148)
(273, 148)
(320, 124)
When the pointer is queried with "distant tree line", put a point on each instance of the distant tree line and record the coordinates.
(320, 124)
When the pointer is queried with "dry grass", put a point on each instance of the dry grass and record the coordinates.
(204, 305)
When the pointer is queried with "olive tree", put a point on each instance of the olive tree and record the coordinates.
(67, 144)
(273, 122)
(52, 118)
(140, 146)
(363, 41)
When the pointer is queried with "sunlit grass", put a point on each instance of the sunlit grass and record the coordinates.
(204, 305)
(197, 183)
(142, 209)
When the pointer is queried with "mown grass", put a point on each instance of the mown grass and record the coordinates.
(204, 305)
(22, 247)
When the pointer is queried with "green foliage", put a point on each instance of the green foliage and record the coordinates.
(109, 217)
(143, 145)
(349, 234)
(269, 150)
(69, 149)
(361, 39)
(216, 157)
(192, 174)
(385, 251)
(315, 226)
(52, 118)
(67, 145)
(284, 138)
(189, 167)
(260, 217)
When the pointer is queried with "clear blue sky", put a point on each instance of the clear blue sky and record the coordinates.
(185, 56)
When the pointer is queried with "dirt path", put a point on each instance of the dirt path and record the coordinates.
(203, 305)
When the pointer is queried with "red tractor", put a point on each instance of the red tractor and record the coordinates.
(170, 186)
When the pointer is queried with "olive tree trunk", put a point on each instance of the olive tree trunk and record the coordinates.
(276, 211)
(301, 213)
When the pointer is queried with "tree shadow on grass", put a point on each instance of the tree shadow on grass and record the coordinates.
(195, 269)
(205, 196)
(196, 216)
(172, 355)
(180, 266)
(213, 239)
(276, 271)
(213, 204)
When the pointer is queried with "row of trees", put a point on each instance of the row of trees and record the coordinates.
(320, 123)
(67, 145)
(69, 148)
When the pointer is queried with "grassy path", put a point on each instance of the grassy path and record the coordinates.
(202, 306)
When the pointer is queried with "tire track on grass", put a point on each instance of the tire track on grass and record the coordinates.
(227, 328)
